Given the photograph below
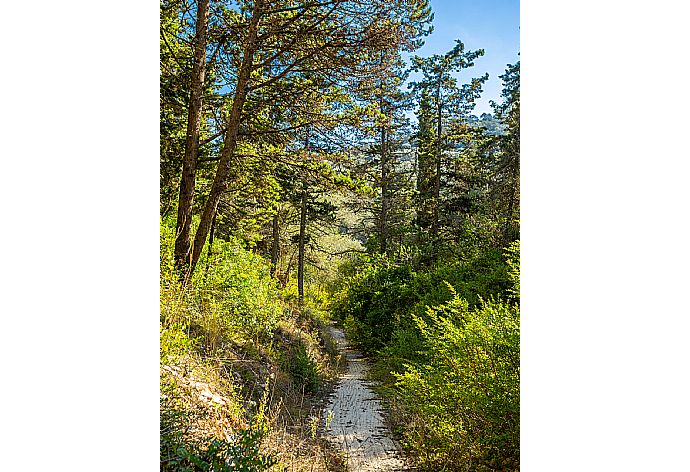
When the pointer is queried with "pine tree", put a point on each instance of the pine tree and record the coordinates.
(444, 108)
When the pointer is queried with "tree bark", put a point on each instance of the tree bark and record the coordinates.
(276, 245)
(210, 246)
(509, 232)
(230, 143)
(191, 152)
(302, 234)
(383, 231)
(437, 178)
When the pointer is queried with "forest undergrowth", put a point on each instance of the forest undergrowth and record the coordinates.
(315, 169)
(243, 372)
(446, 342)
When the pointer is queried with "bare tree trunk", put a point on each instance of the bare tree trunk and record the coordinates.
(509, 233)
(288, 269)
(437, 180)
(191, 150)
(210, 245)
(302, 232)
(230, 143)
(276, 245)
(300, 259)
(383, 232)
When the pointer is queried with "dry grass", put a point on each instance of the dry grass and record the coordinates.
(221, 393)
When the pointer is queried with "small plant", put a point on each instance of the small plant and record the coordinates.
(329, 418)
(313, 426)
(304, 369)
(174, 343)
(240, 455)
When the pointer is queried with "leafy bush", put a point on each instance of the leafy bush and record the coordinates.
(174, 343)
(230, 295)
(304, 369)
(374, 302)
(513, 259)
(380, 298)
(213, 455)
(466, 389)
(298, 346)
(238, 288)
(448, 359)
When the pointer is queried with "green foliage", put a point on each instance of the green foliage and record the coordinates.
(298, 343)
(450, 357)
(380, 297)
(175, 71)
(513, 260)
(304, 369)
(373, 303)
(174, 343)
(466, 389)
(233, 295)
(213, 455)
(238, 288)
(232, 298)
(504, 156)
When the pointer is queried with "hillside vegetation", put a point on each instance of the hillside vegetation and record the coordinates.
(446, 342)
(240, 367)
(296, 192)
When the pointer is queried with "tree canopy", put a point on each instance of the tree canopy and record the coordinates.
(310, 174)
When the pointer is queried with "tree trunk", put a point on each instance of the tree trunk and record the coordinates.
(191, 150)
(210, 245)
(425, 167)
(276, 245)
(383, 232)
(509, 231)
(437, 179)
(300, 259)
(302, 232)
(230, 143)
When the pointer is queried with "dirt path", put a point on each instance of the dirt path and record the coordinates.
(356, 426)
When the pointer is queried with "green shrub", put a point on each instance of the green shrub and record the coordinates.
(373, 304)
(213, 455)
(238, 286)
(513, 260)
(378, 297)
(453, 367)
(231, 293)
(466, 389)
(304, 369)
(174, 343)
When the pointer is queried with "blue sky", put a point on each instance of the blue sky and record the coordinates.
(492, 25)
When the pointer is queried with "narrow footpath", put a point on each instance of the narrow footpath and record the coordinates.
(354, 418)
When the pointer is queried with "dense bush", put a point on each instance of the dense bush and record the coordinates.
(372, 307)
(298, 349)
(463, 398)
(214, 455)
(304, 368)
(448, 358)
(230, 295)
(239, 286)
(378, 298)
